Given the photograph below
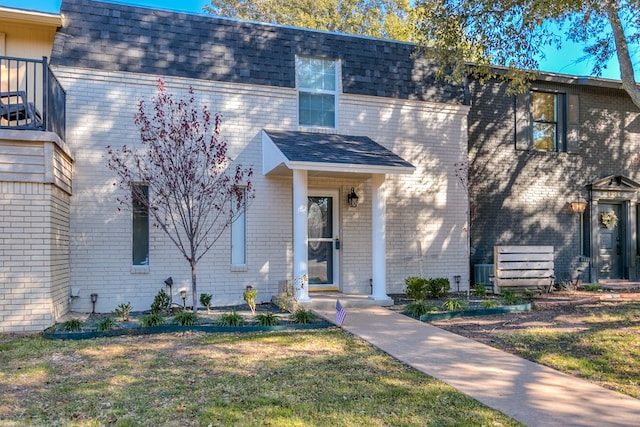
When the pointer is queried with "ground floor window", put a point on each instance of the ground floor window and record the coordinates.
(140, 229)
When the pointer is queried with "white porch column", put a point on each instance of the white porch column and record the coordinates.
(300, 242)
(378, 238)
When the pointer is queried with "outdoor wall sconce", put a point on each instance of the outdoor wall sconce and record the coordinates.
(457, 278)
(352, 198)
(183, 295)
(94, 299)
(579, 205)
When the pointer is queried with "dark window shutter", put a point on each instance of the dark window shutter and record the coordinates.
(523, 121)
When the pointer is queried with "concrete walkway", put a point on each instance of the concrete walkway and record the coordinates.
(528, 392)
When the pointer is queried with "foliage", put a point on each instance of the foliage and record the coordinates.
(509, 297)
(267, 319)
(194, 192)
(122, 311)
(249, 295)
(185, 318)
(152, 319)
(416, 288)
(106, 324)
(231, 319)
(479, 290)
(205, 300)
(390, 19)
(592, 287)
(160, 302)
(452, 304)
(438, 287)
(286, 300)
(490, 303)
(303, 316)
(281, 378)
(455, 33)
(418, 308)
(72, 325)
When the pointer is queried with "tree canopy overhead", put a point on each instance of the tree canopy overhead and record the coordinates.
(391, 19)
(515, 34)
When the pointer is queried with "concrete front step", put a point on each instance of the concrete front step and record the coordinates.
(327, 301)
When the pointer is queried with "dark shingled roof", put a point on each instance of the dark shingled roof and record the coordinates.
(116, 37)
(336, 149)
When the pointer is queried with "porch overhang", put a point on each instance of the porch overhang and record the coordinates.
(327, 154)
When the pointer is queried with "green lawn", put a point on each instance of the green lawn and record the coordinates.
(295, 378)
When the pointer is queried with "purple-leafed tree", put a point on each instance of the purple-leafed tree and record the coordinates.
(181, 174)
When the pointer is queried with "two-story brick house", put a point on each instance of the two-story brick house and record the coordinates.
(569, 139)
(380, 126)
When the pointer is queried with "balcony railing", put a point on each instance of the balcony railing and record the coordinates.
(30, 96)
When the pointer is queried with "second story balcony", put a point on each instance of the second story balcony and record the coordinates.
(30, 96)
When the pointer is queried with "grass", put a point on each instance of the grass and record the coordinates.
(295, 378)
(606, 351)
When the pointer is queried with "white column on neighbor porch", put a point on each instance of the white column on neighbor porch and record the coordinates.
(300, 242)
(378, 238)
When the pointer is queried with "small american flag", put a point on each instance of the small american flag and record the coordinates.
(340, 313)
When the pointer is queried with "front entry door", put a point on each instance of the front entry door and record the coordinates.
(322, 231)
(610, 245)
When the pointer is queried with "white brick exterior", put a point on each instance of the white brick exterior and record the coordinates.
(428, 207)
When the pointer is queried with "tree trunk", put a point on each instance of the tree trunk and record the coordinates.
(194, 289)
(622, 49)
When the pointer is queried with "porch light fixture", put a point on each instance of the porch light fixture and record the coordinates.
(169, 282)
(94, 299)
(579, 205)
(183, 295)
(457, 278)
(352, 198)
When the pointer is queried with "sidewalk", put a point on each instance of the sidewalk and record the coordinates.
(530, 393)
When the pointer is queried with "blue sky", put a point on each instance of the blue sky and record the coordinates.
(564, 61)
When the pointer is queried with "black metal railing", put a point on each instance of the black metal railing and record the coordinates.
(31, 97)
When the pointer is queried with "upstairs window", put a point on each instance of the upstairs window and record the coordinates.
(547, 116)
(316, 79)
(140, 234)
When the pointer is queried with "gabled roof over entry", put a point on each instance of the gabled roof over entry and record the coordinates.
(283, 151)
(615, 183)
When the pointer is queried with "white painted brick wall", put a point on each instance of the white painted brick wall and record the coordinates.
(429, 206)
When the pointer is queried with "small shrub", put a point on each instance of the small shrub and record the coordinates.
(479, 290)
(509, 297)
(106, 324)
(249, 297)
(592, 287)
(72, 325)
(303, 316)
(205, 300)
(438, 287)
(489, 303)
(185, 318)
(267, 319)
(231, 319)
(160, 302)
(122, 311)
(153, 319)
(527, 294)
(416, 288)
(453, 304)
(418, 308)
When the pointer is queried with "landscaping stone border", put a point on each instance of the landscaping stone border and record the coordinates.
(82, 335)
(429, 317)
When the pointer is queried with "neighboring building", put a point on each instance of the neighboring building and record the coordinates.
(531, 155)
(379, 124)
(35, 176)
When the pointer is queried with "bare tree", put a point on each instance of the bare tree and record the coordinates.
(181, 174)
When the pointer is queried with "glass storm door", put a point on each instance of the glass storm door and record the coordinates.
(322, 231)
(609, 245)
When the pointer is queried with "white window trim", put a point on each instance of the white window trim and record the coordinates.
(336, 93)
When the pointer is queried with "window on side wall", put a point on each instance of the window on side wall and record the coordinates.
(140, 228)
(317, 83)
(239, 231)
(547, 118)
